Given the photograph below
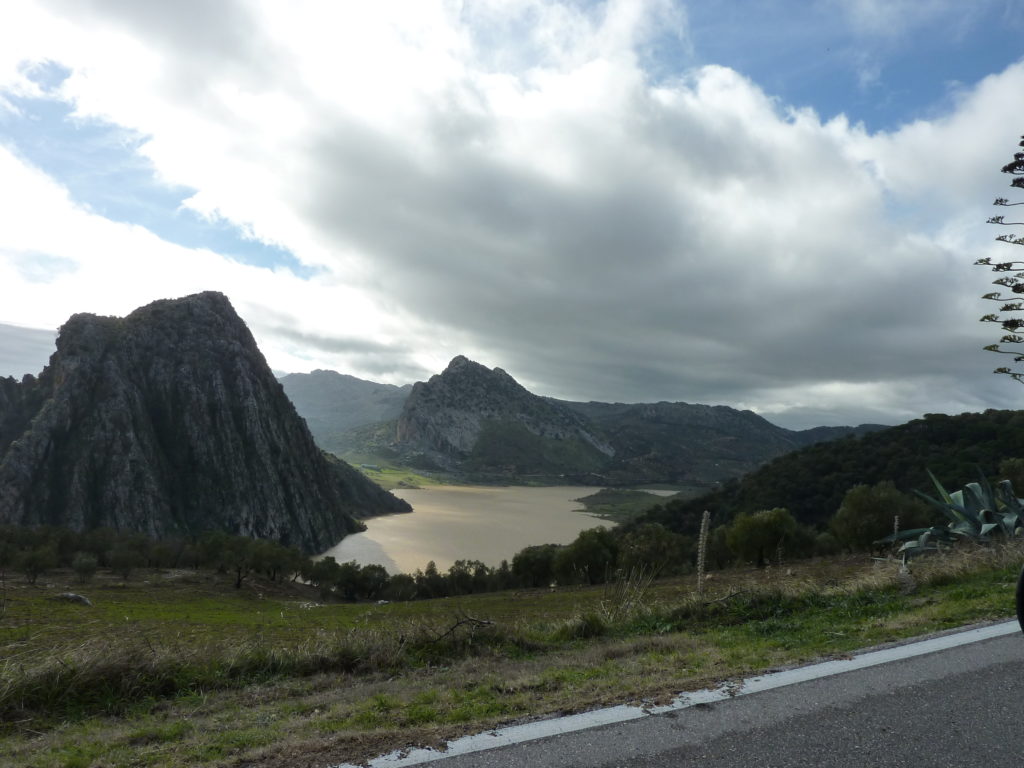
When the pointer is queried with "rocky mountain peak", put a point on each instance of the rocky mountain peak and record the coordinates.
(169, 421)
(447, 415)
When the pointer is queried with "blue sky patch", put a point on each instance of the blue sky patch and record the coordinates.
(101, 168)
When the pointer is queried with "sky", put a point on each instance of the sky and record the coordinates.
(768, 204)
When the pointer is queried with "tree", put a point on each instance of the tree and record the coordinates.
(124, 559)
(590, 559)
(756, 537)
(238, 554)
(867, 513)
(84, 565)
(373, 580)
(430, 582)
(650, 545)
(35, 562)
(1013, 470)
(534, 566)
(1011, 277)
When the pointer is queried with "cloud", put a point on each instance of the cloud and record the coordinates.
(538, 201)
(24, 350)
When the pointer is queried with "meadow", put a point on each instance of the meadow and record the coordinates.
(179, 668)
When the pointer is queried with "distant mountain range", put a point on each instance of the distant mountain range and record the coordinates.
(483, 424)
(169, 422)
(334, 403)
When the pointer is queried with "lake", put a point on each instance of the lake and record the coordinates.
(452, 523)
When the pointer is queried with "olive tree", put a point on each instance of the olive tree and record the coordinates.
(868, 513)
(755, 537)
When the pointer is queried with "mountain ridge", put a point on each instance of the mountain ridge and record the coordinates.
(478, 421)
(169, 422)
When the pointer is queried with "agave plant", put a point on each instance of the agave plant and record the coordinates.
(978, 512)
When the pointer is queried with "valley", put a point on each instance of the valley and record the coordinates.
(149, 438)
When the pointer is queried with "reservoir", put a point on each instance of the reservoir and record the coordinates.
(452, 523)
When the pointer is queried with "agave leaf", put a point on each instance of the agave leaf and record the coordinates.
(938, 486)
(973, 502)
(904, 535)
(987, 527)
(949, 509)
(991, 497)
(914, 549)
(1007, 497)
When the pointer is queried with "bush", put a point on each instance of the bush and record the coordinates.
(35, 562)
(867, 514)
(124, 559)
(84, 565)
(758, 536)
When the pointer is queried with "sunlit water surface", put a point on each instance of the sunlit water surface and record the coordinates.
(452, 523)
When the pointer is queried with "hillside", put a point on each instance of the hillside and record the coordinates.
(169, 422)
(680, 442)
(473, 418)
(333, 403)
(811, 482)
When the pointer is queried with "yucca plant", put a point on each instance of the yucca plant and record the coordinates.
(979, 512)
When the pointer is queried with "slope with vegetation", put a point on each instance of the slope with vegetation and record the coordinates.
(177, 667)
(812, 482)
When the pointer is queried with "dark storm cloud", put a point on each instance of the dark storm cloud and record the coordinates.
(597, 233)
(642, 279)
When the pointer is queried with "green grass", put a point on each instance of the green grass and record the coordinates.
(182, 669)
(623, 504)
(390, 476)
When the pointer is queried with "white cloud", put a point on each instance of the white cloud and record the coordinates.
(535, 200)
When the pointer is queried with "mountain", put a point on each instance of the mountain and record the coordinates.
(333, 404)
(473, 418)
(480, 421)
(169, 422)
(681, 442)
(812, 481)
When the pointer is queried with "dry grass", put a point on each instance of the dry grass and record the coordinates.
(315, 686)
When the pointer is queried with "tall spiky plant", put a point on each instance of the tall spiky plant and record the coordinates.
(979, 513)
(702, 552)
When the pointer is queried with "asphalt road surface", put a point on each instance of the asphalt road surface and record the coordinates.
(958, 707)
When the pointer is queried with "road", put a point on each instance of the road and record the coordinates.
(963, 706)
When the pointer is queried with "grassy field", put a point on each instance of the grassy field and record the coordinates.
(389, 476)
(620, 505)
(177, 668)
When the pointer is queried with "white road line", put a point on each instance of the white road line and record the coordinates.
(517, 734)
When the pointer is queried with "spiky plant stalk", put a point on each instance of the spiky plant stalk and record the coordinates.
(702, 552)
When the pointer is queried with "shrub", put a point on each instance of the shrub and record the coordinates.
(84, 565)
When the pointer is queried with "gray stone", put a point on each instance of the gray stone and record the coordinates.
(71, 597)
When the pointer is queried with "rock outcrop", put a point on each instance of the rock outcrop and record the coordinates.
(169, 422)
(472, 416)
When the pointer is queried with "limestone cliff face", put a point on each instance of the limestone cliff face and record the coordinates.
(450, 414)
(169, 421)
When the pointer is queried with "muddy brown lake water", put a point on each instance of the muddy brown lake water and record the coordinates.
(452, 523)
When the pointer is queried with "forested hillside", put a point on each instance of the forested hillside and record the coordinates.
(811, 482)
